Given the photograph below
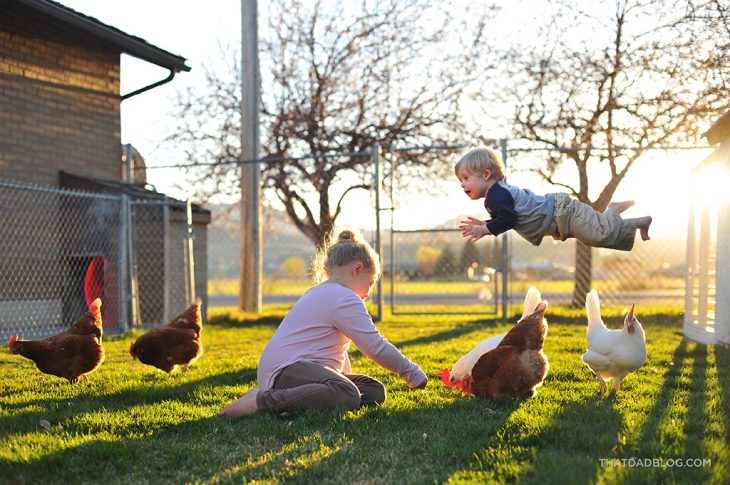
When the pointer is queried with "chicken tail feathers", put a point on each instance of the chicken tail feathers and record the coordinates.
(593, 308)
(95, 308)
(529, 332)
(532, 299)
(190, 318)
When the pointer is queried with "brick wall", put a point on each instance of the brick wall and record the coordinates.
(59, 101)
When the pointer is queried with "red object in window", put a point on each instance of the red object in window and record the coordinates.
(94, 280)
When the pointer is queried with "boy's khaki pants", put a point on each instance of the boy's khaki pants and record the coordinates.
(606, 229)
(304, 385)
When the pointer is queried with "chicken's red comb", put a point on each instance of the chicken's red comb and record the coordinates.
(12, 340)
(445, 376)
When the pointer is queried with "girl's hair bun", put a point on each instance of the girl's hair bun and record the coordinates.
(345, 248)
(346, 236)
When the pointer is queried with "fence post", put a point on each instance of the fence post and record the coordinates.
(393, 168)
(123, 263)
(166, 256)
(378, 246)
(251, 249)
(132, 262)
(189, 235)
(505, 242)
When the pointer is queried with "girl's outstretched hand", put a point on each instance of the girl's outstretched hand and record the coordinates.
(474, 229)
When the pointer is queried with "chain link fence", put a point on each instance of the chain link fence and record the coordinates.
(162, 261)
(435, 271)
(60, 249)
(287, 256)
(445, 270)
(432, 269)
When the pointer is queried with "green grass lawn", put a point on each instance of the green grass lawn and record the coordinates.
(132, 424)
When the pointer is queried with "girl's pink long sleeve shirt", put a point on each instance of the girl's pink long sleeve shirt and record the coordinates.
(319, 329)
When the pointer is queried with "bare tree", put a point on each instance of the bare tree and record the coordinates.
(338, 77)
(601, 90)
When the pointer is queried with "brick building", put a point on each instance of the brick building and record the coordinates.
(59, 91)
(60, 113)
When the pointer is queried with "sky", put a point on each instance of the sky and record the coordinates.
(196, 31)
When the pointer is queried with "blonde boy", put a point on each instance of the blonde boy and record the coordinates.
(532, 216)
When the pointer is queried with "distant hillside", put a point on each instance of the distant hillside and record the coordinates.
(282, 240)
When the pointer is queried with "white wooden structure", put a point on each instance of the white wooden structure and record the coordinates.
(707, 295)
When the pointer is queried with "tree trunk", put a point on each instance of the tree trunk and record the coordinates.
(583, 273)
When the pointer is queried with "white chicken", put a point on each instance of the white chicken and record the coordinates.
(464, 365)
(612, 354)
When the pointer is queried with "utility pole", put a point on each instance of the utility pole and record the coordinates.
(251, 251)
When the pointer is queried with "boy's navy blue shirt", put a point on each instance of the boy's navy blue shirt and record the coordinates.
(501, 206)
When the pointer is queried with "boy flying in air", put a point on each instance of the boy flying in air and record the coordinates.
(532, 216)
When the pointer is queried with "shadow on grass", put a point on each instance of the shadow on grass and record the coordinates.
(148, 458)
(722, 361)
(450, 334)
(675, 427)
(373, 444)
(568, 446)
(65, 409)
(587, 430)
(424, 444)
(230, 320)
(582, 432)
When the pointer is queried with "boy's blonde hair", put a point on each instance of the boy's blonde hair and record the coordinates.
(347, 249)
(478, 160)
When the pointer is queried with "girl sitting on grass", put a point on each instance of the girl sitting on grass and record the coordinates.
(305, 364)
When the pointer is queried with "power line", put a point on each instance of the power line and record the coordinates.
(424, 148)
(268, 160)
(606, 149)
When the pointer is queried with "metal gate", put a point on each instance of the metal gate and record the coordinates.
(162, 266)
(433, 271)
(472, 282)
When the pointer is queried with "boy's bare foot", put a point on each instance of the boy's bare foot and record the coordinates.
(621, 206)
(643, 224)
(243, 406)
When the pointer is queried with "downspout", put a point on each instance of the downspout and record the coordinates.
(151, 86)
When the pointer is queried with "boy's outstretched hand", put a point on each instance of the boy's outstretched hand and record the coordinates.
(474, 229)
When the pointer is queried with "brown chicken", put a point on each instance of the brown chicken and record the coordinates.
(71, 354)
(177, 344)
(517, 365)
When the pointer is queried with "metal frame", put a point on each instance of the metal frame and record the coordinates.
(393, 310)
(132, 297)
(504, 245)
